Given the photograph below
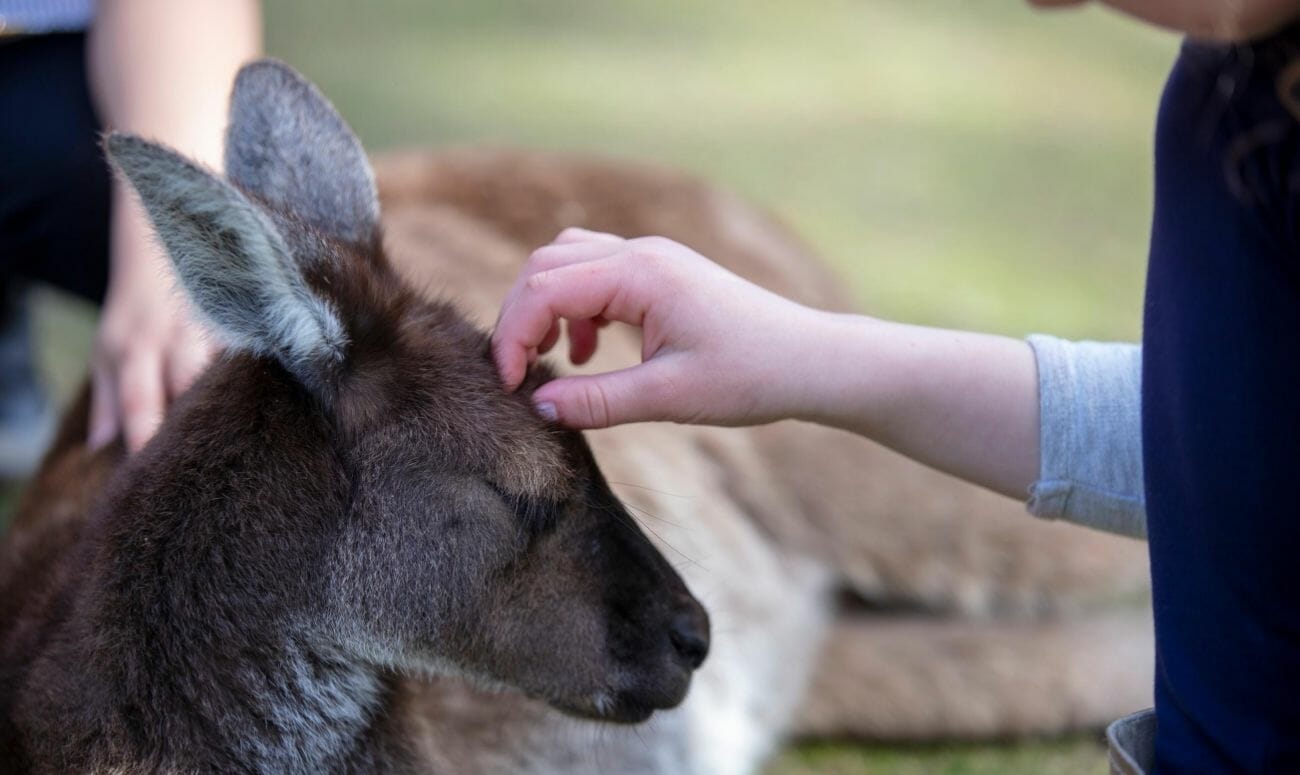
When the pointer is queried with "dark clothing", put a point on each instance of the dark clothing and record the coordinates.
(1221, 413)
(54, 183)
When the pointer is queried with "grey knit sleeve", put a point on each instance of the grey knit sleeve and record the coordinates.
(1090, 471)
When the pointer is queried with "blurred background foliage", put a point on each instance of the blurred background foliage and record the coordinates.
(962, 164)
(973, 164)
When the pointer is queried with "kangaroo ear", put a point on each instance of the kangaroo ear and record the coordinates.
(287, 145)
(232, 262)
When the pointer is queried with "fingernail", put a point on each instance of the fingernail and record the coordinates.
(547, 410)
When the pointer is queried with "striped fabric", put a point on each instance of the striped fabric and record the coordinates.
(37, 16)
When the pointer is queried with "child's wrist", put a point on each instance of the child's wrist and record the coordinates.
(824, 380)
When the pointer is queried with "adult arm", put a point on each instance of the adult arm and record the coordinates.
(162, 69)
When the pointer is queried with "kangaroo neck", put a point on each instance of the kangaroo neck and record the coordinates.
(202, 626)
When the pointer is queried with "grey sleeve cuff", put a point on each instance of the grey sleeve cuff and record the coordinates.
(1090, 470)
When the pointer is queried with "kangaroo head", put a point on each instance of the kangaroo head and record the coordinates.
(474, 536)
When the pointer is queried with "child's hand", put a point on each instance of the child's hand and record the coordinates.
(719, 350)
(716, 349)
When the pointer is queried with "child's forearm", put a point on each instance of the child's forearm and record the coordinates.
(963, 403)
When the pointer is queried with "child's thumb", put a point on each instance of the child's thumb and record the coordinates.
(635, 394)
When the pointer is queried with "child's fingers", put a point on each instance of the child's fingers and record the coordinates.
(550, 339)
(582, 340)
(579, 234)
(556, 254)
(608, 287)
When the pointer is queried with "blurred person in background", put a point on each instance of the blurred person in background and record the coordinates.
(1192, 440)
(69, 70)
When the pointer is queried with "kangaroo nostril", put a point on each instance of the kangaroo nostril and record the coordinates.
(690, 636)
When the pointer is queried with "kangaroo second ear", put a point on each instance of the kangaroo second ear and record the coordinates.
(232, 262)
(287, 145)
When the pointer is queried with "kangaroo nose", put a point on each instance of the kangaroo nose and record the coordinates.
(690, 635)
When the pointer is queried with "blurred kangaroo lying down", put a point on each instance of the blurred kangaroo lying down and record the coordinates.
(348, 549)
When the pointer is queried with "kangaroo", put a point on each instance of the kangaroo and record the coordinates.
(347, 549)
(349, 496)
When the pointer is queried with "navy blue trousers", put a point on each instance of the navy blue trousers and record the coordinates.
(54, 182)
(1221, 410)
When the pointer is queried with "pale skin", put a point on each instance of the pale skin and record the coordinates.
(719, 350)
(162, 69)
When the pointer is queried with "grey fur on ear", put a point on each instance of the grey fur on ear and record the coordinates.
(231, 261)
(288, 145)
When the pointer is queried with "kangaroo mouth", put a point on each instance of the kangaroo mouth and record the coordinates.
(625, 710)
(616, 709)
(631, 705)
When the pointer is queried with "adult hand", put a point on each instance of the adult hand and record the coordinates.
(715, 348)
(162, 70)
(148, 349)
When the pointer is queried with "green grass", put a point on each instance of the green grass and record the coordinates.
(972, 164)
(977, 166)
(1078, 756)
